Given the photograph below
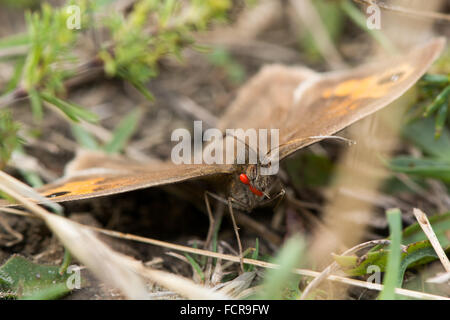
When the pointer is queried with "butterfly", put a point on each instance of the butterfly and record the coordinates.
(304, 105)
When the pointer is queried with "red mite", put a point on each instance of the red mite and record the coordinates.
(244, 179)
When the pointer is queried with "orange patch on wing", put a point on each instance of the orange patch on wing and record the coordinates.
(353, 91)
(75, 187)
(358, 89)
(370, 87)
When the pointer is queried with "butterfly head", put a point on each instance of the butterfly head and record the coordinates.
(256, 182)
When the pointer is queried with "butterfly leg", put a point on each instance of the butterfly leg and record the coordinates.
(230, 202)
(236, 231)
(280, 196)
(211, 219)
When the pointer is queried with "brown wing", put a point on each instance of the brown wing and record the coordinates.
(302, 104)
(339, 99)
(93, 175)
(104, 183)
(264, 102)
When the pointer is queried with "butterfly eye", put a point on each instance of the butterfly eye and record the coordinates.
(244, 179)
(255, 191)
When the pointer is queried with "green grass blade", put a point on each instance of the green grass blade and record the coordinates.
(277, 280)
(422, 167)
(36, 104)
(84, 138)
(14, 41)
(123, 132)
(16, 77)
(441, 99)
(360, 20)
(392, 275)
(71, 110)
(441, 118)
(435, 79)
(196, 266)
(254, 255)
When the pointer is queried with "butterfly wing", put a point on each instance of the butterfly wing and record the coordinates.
(265, 100)
(94, 174)
(337, 100)
(104, 183)
(305, 105)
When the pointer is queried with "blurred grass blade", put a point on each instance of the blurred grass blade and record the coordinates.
(440, 100)
(423, 167)
(16, 77)
(440, 120)
(276, 280)
(32, 178)
(71, 110)
(360, 20)
(123, 132)
(84, 138)
(137, 85)
(9, 136)
(254, 255)
(36, 104)
(392, 275)
(14, 41)
(436, 79)
(195, 266)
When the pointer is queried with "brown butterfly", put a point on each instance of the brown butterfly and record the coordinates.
(304, 105)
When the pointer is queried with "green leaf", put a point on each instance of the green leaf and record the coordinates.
(418, 251)
(440, 224)
(123, 132)
(53, 292)
(420, 133)
(423, 167)
(20, 278)
(393, 276)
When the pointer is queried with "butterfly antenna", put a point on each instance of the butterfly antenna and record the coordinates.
(242, 141)
(438, 16)
(348, 141)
